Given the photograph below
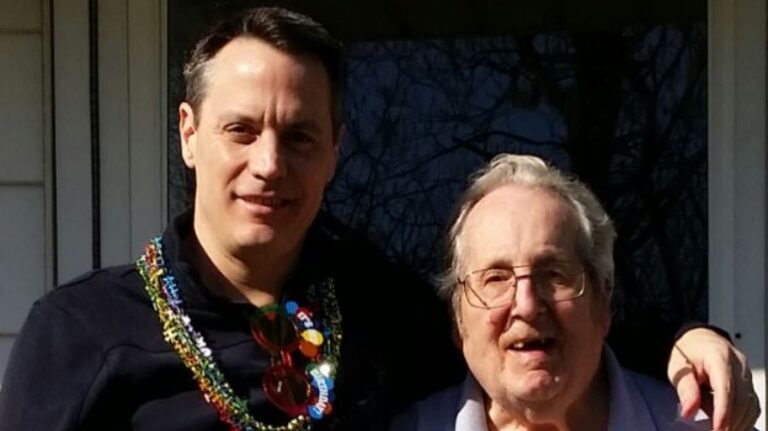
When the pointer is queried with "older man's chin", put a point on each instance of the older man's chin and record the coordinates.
(535, 389)
(531, 400)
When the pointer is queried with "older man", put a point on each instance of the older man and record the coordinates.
(530, 278)
(248, 313)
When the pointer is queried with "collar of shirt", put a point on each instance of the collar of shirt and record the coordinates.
(628, 407)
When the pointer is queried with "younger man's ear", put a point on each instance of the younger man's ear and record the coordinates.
(187, 134)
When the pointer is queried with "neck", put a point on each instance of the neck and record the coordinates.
(256, 275)
(589, 412)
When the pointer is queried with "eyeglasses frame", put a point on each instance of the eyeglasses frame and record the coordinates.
(464, 283)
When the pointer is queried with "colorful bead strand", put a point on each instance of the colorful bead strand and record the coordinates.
(195, 354)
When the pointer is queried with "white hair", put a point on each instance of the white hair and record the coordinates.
(596, 228)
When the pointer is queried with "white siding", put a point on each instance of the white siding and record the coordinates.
(20, 15)
(21, 108)
(74, 210)
(25, 158)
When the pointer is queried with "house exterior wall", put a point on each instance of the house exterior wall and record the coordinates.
(25, 164)
(53, 226)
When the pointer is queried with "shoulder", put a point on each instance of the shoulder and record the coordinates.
(460, 408)
(97, 304)
(658, 396)
(96, 282)
(96, 290)
(62, 348)
(437, 412)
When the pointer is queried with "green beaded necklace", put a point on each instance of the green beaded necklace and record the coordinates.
(191, 347)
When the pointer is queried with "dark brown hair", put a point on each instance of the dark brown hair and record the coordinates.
(286, 31)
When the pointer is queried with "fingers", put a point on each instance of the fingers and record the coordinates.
(689, 393)
(721, 379)
(683, 377)
(703, 357)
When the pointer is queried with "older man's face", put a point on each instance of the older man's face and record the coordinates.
(531, 357)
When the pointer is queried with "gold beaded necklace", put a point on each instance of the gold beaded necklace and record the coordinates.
(194, 352)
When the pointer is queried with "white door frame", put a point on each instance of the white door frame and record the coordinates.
(132, 131)
(132, 108)
(737, 188)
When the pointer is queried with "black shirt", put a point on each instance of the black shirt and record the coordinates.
(91, 355)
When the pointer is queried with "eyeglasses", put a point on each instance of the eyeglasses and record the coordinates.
(496, 287)
(287, 387)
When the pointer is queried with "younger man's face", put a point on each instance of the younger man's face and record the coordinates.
(262, 146)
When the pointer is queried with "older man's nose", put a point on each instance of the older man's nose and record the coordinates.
(265, 158)
(527, 301)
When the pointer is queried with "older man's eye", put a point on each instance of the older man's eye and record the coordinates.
(557, 275)
(494, 277)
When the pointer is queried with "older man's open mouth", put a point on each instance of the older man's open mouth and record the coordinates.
(533, 344)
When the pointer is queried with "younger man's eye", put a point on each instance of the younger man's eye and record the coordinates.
(299, 138)
(240, 132)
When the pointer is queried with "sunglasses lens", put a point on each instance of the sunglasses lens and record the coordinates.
(274, 330)
(308, 349)
(287, 389)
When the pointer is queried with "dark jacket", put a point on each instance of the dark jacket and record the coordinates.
(91, 355)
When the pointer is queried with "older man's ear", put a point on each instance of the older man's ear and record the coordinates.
(456, 326)
(604, 308)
